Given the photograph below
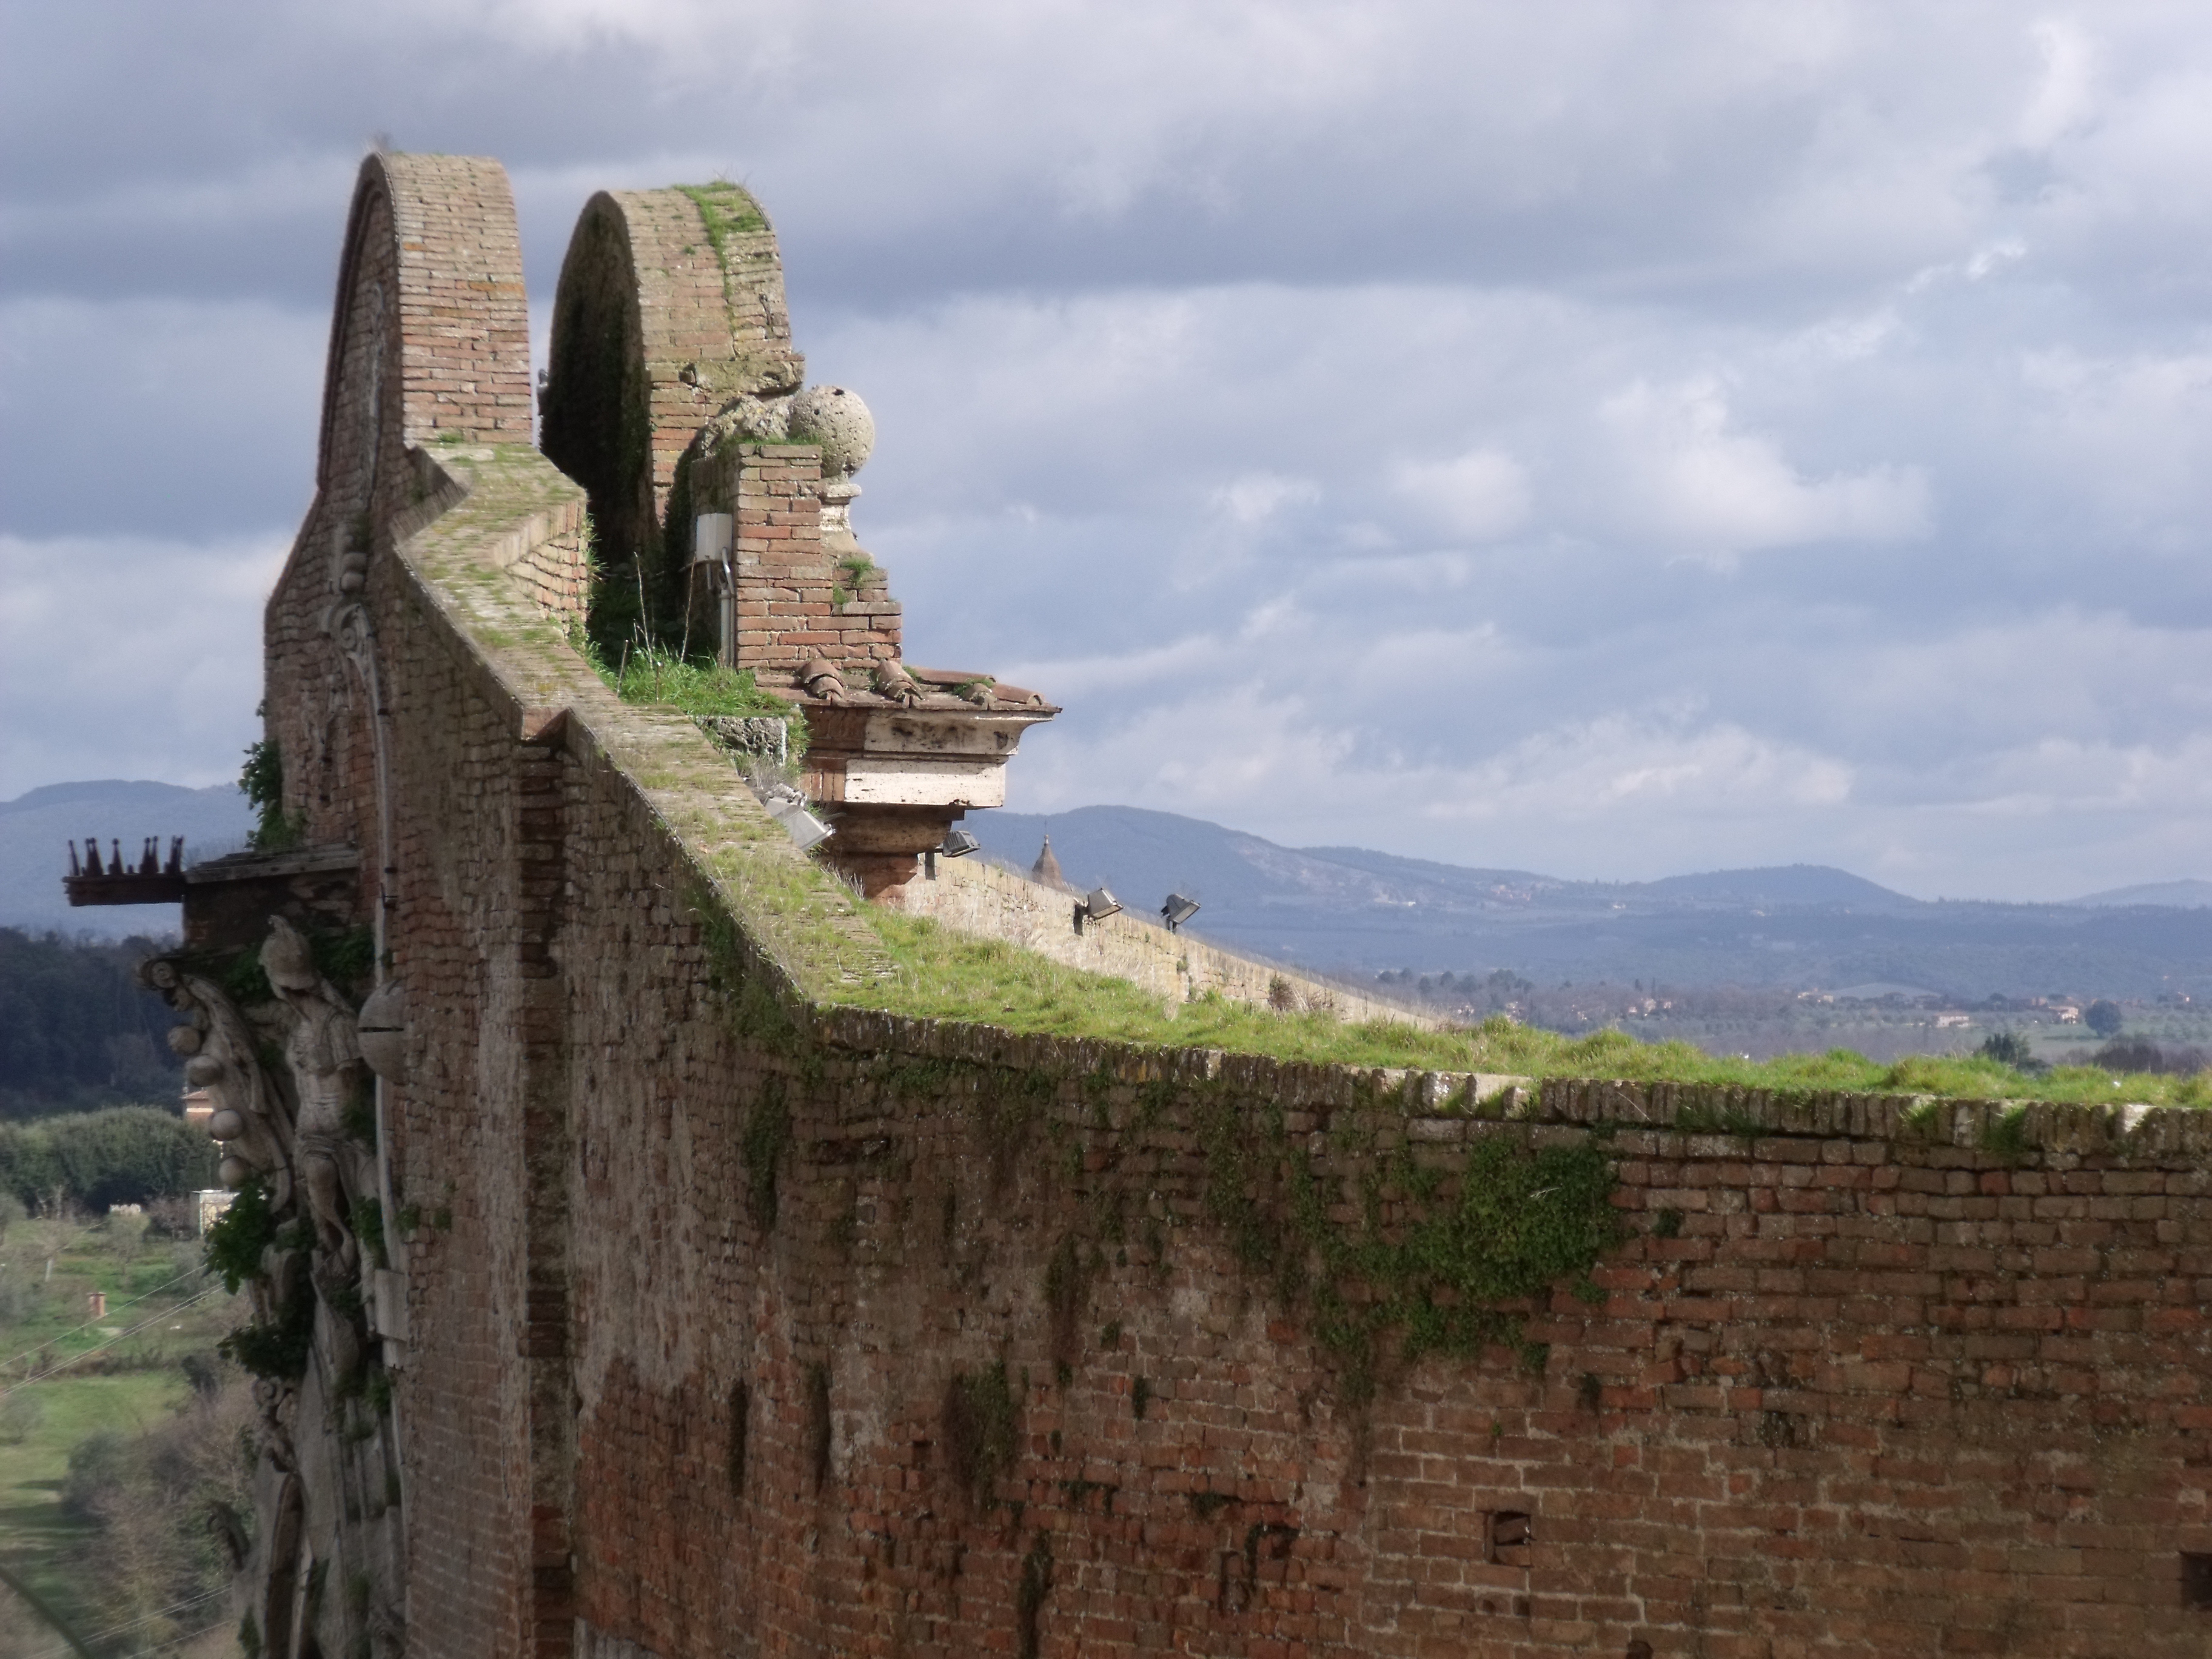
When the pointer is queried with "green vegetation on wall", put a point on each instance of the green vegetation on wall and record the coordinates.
(236, 1239)
(982, 1427)
(697, 685)
(277, 1348)
(344, 955)
(1522, 1217)
(261, 780)
(726, 210)
(947, 975)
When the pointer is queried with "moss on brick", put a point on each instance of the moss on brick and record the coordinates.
(981, 1422)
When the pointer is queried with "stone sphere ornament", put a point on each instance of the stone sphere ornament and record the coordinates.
(382, 1032)
(234, 1172)
(227, 1125)
(838, 421)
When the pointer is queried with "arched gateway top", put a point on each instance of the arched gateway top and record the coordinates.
(431, 321)
(671, 305)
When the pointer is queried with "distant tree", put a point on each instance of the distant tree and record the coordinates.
(2104, 1017)
(2007, 1049)
(2134, 1054)
(77, 1029)
(124, 1155)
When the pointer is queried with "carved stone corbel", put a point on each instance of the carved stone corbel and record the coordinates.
(218, 1043)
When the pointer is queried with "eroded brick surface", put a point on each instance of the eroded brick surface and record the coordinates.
(692, 1260)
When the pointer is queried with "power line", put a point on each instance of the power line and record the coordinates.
(90, 1324)
(78, 1358)
(133, 1624)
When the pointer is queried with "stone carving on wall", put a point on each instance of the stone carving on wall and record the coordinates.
(322, 1049)
(219, 1046)
(304, 1153)
(747, 419)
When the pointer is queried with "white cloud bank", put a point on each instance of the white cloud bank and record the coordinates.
(1693, 482)
(146, 653)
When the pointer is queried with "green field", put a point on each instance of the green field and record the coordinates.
(66, 1377)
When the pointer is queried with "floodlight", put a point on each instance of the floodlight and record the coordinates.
(711, 537)
(801, 826)
(957, 844)
(1177, 910)
(1096, 906)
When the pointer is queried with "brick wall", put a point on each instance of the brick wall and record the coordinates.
(695, 1260)
(654, 328)
(986, 901)
(1855, 1385)
(788, 582)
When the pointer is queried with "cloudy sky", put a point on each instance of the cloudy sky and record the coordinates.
(1611, 439)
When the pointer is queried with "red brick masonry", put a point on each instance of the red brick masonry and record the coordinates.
(692, 1259)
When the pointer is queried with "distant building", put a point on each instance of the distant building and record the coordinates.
(1046, 871)
(1888, 991)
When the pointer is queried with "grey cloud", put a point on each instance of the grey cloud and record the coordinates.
(156, 417)
(130, 658)
(1613, 440)
(1699, 155)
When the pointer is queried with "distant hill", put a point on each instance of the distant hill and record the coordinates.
(2183, 895)
(36, 829)
(1352, 909)
(1781, 886)
(1803, 926)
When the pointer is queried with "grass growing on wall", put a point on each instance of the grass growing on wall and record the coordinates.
(947, 975)
(726, 210)
(653, 675)
(649, 672)
(1524, 1218)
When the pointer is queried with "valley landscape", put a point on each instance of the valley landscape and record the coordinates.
(1789, 959)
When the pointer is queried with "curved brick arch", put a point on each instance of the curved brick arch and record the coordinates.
(431, 321)
(670, 304)
(430, 340)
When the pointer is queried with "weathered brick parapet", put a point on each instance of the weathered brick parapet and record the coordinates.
(1825, 1315)
(740, 1319)
(794, 601)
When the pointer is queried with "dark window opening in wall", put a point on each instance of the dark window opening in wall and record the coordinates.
(741, 1411)
(1509, 1538)
(817, 1423)
(2196, 1581)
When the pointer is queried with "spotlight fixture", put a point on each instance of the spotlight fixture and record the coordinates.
(806, 829)
(1177, 910)
(1096, 906)
(957, 844)
(710, 538)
